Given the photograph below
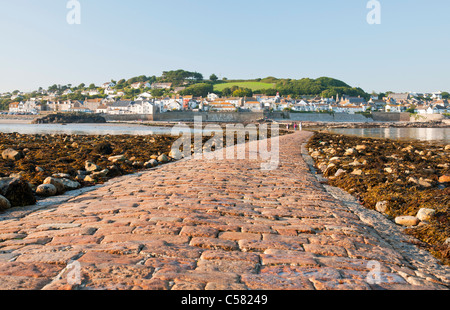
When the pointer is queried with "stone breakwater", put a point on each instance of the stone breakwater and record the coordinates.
(213, 225)
(408, 182)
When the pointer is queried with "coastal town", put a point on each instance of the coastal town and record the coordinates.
(106, 99)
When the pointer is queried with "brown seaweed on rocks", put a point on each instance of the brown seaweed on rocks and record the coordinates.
(405, 176)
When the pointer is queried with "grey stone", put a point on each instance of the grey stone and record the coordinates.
(46, 190)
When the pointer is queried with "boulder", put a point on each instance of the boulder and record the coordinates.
(11, 154)
(70, 185)
(407, 220)
(4, 203)
(46, 190)
(18, 192)
(60, 188)
(425, 214)
(447, 147)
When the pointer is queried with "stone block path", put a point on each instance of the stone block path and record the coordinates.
(213, 225)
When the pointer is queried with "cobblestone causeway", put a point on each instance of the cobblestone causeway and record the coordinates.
(213, 225)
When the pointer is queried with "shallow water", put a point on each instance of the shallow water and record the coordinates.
(83, 129)
(440, 135)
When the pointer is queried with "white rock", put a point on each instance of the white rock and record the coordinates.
(339, 172)
(407, 220)
(117, 158)
(381, 206)
(425, 214)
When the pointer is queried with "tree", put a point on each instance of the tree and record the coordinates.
(445, 95)
(213, 78)
(198, 90)
(92, 86)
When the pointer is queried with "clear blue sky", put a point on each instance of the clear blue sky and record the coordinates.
(117, 39)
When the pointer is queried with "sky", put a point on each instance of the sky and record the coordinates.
(238, 39)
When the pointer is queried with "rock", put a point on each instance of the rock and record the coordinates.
(74, 145)
(117, 158)
(151, 163)
(17, 175)
(447, 241)
(18, 192)
(350, 152)
(100, 174)
(339, 172)
(382, 206)
(407, 220)
(11, 154)
(355, 163)
(70, 185)
(46, 190)
(425, 183)
(413, 180)
(39, 169)
(361, 147)
(176, 154)
(89, 178)
(426, 214)
(60, 188)
(4, 203)
(61, 175)
(163, 158)
(444, 179)
(357, 172)
(388, 170)
(447, 147)
(408, 149)
(90, 166)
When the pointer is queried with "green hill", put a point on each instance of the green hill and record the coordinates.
(251, 85)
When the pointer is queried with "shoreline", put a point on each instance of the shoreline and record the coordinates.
(394, 177)
(50, 165)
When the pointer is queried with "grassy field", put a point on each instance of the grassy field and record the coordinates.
(251, 85)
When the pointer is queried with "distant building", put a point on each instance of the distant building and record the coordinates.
(161, 85)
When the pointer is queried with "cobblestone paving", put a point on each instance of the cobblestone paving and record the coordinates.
(214, 225)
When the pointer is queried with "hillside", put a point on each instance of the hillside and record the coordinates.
(251, 85)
